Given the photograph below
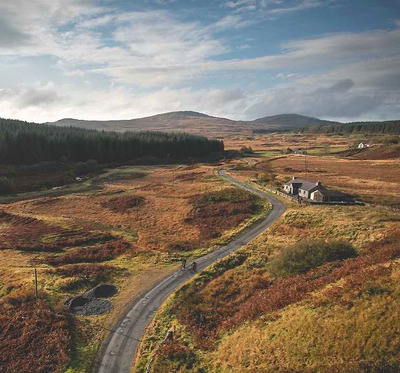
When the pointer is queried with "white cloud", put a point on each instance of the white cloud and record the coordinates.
(354, 74)
(43, 102)
(275, 7)
(342, 100)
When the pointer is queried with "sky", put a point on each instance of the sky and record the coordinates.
(240, 59)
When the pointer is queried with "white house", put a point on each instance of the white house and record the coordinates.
(362, 145)
(301, 188)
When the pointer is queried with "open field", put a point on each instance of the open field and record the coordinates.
(241, 300)
(372, 180)
(131, 230)
(371, 175)
(242, 316)
(131, 225)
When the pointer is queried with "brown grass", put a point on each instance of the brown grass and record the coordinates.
(31, 234)
(374, 181)
(123, 203)
(100, 253)
(34, 337)
(136, 240)
(216, 212)
(211, 309)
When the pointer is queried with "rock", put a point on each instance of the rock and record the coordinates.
(94, 307)
(101, 291)
(89, 303)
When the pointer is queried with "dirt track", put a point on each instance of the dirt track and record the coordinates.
(120, 351)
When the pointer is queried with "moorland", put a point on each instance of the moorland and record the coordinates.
(131, 223)
(318, 291)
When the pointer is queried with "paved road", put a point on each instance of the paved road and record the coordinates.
(121, 349)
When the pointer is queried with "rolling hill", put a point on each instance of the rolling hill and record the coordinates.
(194, 122)
(291, 120)
(185, 121)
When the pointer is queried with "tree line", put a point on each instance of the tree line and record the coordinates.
(29, 143)
(390, 127)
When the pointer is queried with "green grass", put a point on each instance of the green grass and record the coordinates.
(88, 186)
(267, 153)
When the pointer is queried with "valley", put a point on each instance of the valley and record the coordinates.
(131, 225)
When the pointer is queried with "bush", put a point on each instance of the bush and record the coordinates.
(392, 140)
(100, 253)
(309, 254)
(84, 168)
(6, 185)
(246, 150)
(34, 336)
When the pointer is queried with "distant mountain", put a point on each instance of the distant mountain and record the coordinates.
(183, 121)
(291, 120)
(199, 123)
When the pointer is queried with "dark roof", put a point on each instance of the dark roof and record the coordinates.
(331, 193)
(309, 186)
(295, 181)
(305, 185)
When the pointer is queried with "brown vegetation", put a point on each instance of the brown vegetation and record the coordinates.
(85, 275)
(92, 235)
(100, 253)
(31, 234)
(215, 212)
(208, 307)
(34, 337)
(123, 203)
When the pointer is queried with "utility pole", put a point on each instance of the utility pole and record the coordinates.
(305, 164)
(36, 285)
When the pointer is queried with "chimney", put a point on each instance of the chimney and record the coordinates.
(294, 177)
(318, 183)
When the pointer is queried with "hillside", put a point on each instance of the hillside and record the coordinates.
(291, 120)
(27, 143)
(199, 123)
(185, 121)
(392, 127)
(203, 124)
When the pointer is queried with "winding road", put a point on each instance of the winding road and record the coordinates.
(119, 353)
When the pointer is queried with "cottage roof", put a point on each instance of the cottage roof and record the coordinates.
(309, 186)
(295, 181)
(331, 193)
(304, 184)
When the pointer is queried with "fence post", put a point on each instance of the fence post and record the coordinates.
(36, 285)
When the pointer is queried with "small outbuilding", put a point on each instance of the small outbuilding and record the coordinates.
(325, 195)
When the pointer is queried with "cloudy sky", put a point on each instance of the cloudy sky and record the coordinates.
(241, 59)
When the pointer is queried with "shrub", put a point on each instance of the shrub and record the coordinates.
(123, 204)
(84, 168)
(308, 254)
(34, 336)
(6, 185)
(392, 140)
(84, 275)
(246, 150)
(216, 212)
(99, 253)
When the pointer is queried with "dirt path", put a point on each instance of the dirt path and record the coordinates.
(120, 351)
